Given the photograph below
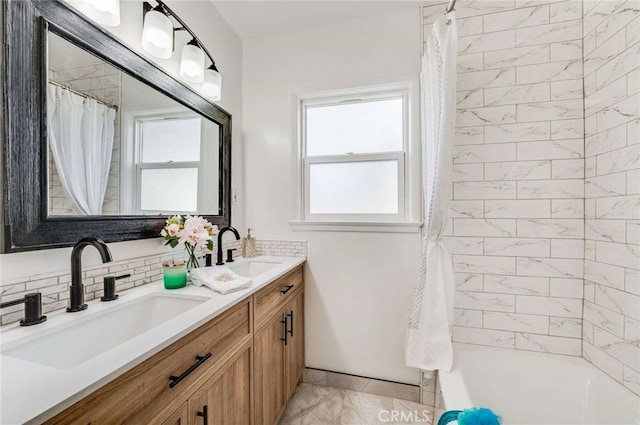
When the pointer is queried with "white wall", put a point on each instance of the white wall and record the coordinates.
(226, 47)
(359, 285)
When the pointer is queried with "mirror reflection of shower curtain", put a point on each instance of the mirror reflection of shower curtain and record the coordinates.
(429, 338)
(80, 133)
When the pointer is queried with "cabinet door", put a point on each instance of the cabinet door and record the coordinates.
(294, 358)
(225, 399)
(179, 417)
(269, 373)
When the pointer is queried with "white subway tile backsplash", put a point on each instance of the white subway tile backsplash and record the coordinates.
(624, 159)
(517, 209)
(488, 337)
(617, 21)
(549, 267)
(553, 71)
(470, 63)
(618, 254)
(516, 246)
(627, 353)
(604, 53)
(618, 301)
(512, 95)
(550, 228)
(603, 360)
(566, 288)
(469, 136)
(568, 89)
(517, 18)
(567, 208)
(607, 185)
(565, 11)
(516, 322)
(562, 326)
(550, 189)
(567, 248)
(552, 306)
(516, 285)
(522, 132)
(484, 190)
(466, 209)
(605, 230)
(545, 111)
(483, 79)
(484, 227)
(467, 318)
(567, 169)
(565, 50)
(604, 274)
(622, 207)
(604, 318)
(543, 34)
(516, 57)
(484, 153)
(554, 149)
(631, 379)
(520, 170)
(549, 344)
(484, 264)
(486, 42)
(486, 115)
(606, 141)
(567, 129)
(485, 301)
(468, 281)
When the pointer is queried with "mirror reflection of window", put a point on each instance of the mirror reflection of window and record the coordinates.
(163, 157)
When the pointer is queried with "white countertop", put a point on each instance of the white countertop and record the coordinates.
(32, 393)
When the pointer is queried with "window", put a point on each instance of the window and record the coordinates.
(353, 149)
(168, 156)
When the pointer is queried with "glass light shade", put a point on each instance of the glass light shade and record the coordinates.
(105, 12)
(212, 86)
(157, 34)
(192, 63)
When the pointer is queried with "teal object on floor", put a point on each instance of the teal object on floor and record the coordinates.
(475, 416)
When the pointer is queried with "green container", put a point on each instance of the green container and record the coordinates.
(175, 274)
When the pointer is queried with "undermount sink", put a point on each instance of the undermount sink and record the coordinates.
(251, 268)
(75, 343)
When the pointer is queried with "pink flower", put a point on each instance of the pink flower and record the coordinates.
(173, 229)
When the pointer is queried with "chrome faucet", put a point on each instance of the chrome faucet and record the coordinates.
(219, 261)
(76, 290)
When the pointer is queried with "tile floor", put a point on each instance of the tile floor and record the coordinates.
(323, 405)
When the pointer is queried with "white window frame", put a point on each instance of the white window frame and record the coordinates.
(405, 219)
(132, 158)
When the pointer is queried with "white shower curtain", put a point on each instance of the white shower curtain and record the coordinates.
(429, 339)
(81, 139)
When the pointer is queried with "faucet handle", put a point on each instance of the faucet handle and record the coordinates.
(109, 287)
(32, 309)
(230, 255)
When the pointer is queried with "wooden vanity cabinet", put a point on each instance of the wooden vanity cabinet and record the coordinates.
(255, 362)
(279, 346)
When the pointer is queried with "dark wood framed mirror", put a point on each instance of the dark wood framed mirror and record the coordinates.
(30, 220)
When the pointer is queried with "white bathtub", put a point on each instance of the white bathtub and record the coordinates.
(536, 388)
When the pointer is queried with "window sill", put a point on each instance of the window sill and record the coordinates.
(355, 226)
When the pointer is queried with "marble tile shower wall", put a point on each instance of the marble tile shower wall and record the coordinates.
(54, 287)
(611, 327)
(517, 228)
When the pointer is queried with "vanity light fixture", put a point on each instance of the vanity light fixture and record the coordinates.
(192, 62)
(212, 86)
(104, 12)
(158, 40)
(157, 33)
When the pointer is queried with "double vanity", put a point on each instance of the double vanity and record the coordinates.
(186, 356)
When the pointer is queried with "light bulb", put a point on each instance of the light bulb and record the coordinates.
(105, 12)
(157, 34)
(212, 85)
(192, 63)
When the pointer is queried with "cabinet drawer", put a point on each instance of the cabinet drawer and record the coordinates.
(269, 299)
(144, 390)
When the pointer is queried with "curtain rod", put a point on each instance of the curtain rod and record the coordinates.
(452, 4)
(86, 96)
